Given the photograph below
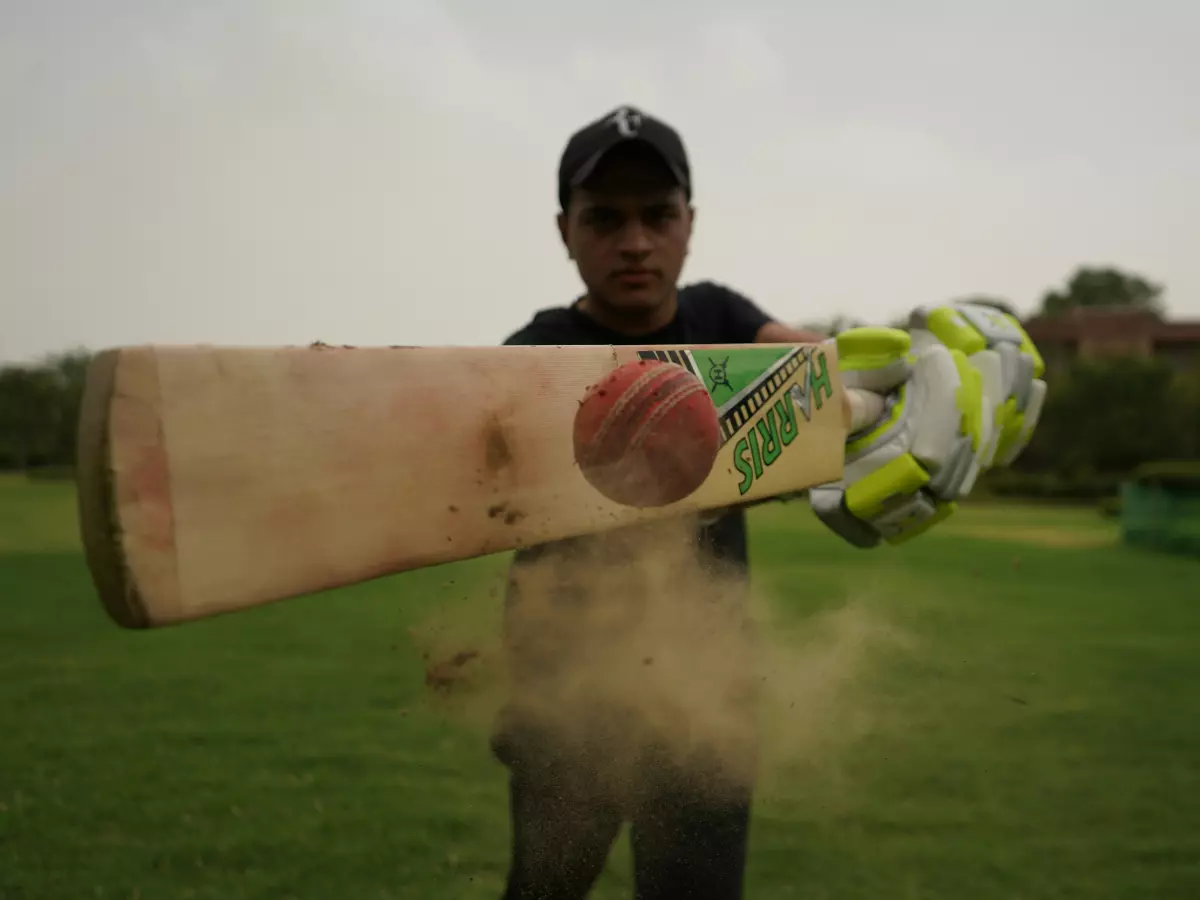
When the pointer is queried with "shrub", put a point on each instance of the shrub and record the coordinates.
(51, 473)
(1182, 475)
(1082, 485)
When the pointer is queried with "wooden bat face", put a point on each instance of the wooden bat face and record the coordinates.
(218, 479)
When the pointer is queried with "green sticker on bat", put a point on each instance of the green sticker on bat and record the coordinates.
(747, 388)
(774, 414)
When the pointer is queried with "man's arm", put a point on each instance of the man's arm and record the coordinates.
(744, 321)
(778, 333)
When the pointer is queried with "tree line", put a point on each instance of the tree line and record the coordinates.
(1107, 417)
(1103, 417)
(39, 411)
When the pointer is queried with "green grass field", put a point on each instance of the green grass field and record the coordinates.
(1036, 733)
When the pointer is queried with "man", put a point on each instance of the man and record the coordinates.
(583, 758)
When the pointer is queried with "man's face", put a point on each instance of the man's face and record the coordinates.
(628, 230)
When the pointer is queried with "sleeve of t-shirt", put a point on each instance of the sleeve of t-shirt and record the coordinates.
(741, 318)
(532, 334)
(522, 338)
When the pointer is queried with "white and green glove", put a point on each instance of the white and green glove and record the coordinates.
(964, 393)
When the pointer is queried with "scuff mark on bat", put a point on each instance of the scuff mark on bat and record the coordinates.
(497, 453)
(511, 516)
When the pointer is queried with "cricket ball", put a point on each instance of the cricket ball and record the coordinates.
(647, 434)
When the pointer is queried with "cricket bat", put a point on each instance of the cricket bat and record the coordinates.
(218, 479)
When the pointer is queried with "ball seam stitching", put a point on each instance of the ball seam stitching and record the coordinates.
(618, 408)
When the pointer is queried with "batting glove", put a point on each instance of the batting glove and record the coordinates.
(997, 346)
(954, 407)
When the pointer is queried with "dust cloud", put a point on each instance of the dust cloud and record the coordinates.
(629, 646)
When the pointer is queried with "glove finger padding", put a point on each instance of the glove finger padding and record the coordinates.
(903, 474)
(1023, 427)
(996, 344)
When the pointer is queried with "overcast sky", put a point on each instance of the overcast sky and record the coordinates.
(382, 171)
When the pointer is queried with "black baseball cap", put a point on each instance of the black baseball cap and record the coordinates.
(588, 146)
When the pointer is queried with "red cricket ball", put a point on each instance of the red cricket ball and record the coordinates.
(647, 434)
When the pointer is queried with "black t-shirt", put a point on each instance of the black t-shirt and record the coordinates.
(582, 614)
(708, 313)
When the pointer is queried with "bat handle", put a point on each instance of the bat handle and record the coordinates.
(864, 409)
(861, 409)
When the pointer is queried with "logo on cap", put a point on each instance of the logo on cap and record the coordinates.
(628, 121)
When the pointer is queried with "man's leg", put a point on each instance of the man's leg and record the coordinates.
(562, 831)
(689, 844)
(691, 826)
(563, 821)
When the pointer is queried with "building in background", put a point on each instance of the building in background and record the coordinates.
(1089, 332)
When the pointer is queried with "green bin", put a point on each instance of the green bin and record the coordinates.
(1161, 511)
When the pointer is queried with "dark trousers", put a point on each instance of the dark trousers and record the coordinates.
(688, 835)
(599, 734)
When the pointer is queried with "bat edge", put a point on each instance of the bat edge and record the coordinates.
(99, 528)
